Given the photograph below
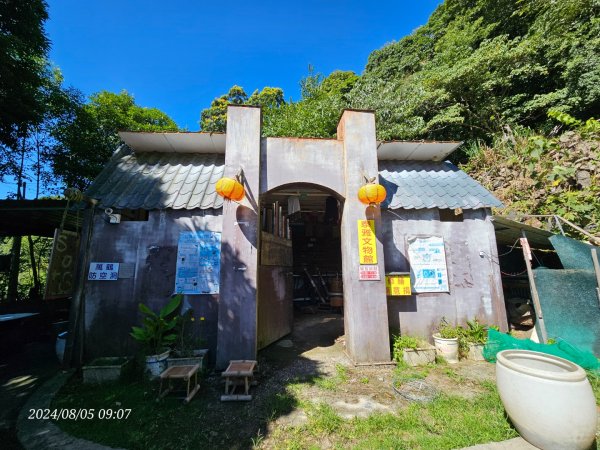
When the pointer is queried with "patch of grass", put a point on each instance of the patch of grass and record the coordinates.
(364, 380)
(205, 422)
(594, 378)
(447, 422)
(281, 403)
(341, 373)
(451, 373)
(327, 383)
(331, 383)
(403, 374)
(322, 419)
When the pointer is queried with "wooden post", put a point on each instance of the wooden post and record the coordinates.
(597, 271)
(534, 293)
(76, 313)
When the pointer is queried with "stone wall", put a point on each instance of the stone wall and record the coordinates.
(473, 272)
(111, 307)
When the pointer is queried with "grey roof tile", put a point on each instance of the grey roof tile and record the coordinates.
(429, 184)
(159, 180)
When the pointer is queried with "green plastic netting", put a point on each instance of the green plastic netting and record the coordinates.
(499, 341)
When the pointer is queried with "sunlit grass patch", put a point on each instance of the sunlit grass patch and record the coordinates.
(332, 382)
(445, 423)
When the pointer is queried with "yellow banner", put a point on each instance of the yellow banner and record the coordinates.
(397, 284)
(367, 249)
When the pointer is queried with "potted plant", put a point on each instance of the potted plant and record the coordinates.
(446, 341)
(157, 333)
(475, 336)
(104, 369)
(411, 351)
(190, 346)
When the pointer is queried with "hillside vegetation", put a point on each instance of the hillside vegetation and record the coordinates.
(506, 76)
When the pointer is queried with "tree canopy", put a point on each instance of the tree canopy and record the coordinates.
(214, 118)
(478, 65)
(23, 51)
(314, 115)
(86, 139)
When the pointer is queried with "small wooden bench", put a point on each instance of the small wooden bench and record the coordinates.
(238, 373)
(185, 373)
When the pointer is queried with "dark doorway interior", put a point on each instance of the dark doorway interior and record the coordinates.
(300, 268)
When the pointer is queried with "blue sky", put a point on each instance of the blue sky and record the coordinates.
(179, 55)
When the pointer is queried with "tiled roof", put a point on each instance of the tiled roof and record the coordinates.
(159, 180)
(428, 184)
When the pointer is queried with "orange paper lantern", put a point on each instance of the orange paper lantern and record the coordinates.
(230, 189)
(372, 193)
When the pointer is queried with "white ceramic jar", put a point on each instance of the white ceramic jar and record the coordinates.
(447, 348)
(549, 400)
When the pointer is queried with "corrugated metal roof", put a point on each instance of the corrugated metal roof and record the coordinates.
(429, 184)
(152, 180)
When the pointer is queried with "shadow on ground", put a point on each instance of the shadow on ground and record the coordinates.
(207, 422)
(22, 369)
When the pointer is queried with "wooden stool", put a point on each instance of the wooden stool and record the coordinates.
(184, 373)
(238, 373)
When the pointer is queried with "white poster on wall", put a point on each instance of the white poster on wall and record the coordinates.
(103, 271)
(198, 262)
(428, 271)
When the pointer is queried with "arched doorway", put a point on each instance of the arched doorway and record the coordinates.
(300, 260)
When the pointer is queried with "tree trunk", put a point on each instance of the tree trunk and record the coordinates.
(35, 292)
(13, 276)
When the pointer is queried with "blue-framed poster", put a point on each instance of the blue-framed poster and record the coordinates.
(428, 271)
(198, 262)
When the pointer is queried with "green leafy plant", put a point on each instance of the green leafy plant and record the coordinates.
(447, 331)
(402, 343)
(188, 339)
(158, 331)
(475, 333)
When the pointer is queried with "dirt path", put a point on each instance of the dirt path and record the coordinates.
(316, 349)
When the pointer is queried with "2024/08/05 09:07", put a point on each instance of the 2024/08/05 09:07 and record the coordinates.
(79, 414)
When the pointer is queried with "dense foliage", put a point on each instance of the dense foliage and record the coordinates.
(533, 173)
(85, 140)
(481, 64)
(23, 69)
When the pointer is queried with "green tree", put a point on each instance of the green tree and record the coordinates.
(479, 65)
(269, 97)
(87, 138)
(318, 111)
(214, 119)
(23, 70)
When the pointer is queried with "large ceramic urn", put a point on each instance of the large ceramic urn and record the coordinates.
(549, 400)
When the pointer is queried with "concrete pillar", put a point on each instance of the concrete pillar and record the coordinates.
(365, 302)
(236, 335)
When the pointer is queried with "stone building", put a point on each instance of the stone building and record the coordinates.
(300, 215)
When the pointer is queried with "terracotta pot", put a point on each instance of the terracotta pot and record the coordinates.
(549, 400)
